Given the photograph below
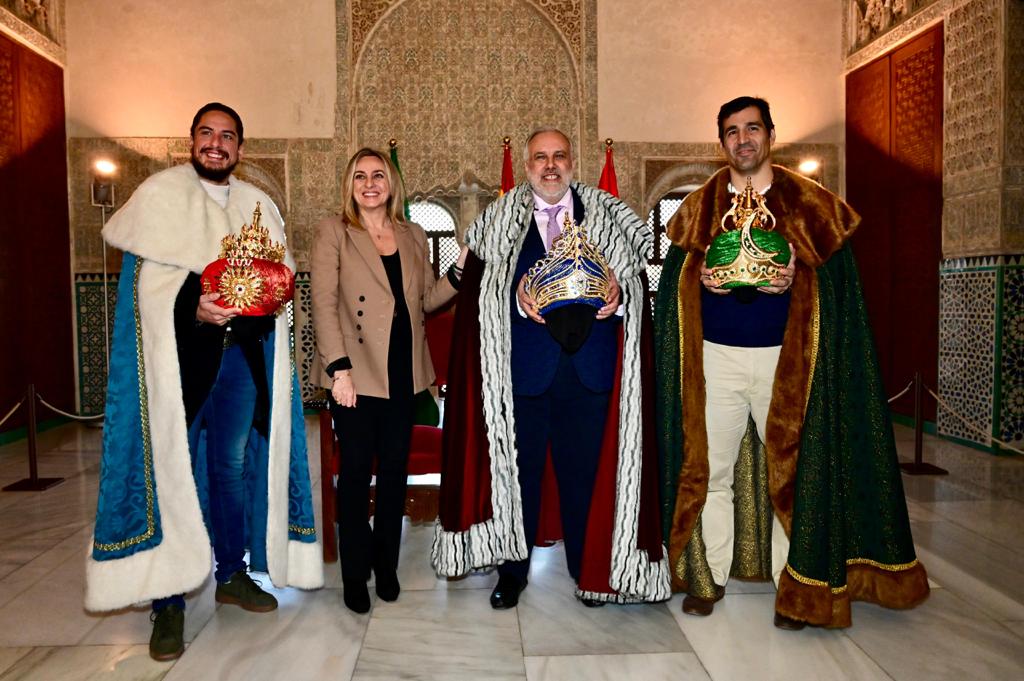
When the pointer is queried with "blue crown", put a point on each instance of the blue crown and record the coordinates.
(573, 271)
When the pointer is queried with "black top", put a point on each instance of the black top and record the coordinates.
(400, 342)
(745, 318)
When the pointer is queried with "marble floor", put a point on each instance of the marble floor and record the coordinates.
(969, 529)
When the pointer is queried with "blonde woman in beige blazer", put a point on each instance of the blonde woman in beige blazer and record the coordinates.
(372, 283)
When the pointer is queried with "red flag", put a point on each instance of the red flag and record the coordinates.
(508, 181)
(608, 181)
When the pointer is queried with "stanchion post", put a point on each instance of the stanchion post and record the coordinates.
(33, 463)
(33, 483)
(918, 420)
(918, 466)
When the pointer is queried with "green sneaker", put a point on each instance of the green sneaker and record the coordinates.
(243, 591)
(167, 642)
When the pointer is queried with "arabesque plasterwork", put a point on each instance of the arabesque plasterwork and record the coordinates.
(38, 23)
(565, 14)
(450, 102)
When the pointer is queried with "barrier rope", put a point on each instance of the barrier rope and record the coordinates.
(970, 425)
(902, 392)
(11, 412)
(76, 417)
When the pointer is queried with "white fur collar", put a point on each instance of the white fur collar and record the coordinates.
(171, 219)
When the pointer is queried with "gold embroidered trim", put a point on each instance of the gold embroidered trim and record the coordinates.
(813, 582)
(891, 567)
(307, 531)
(147, 445)
(803, 580)
(815, 338)
(681, 323)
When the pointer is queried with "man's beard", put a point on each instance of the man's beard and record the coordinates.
(555, 195)
(213, 174)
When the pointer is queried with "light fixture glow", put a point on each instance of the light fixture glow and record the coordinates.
(104, 167)
(809, 166)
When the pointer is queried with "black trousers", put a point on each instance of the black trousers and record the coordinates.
(571, 418)
(375, 430)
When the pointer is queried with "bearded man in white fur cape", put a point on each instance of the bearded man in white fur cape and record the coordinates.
(204, 437)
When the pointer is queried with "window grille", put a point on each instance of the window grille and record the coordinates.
(657, 219)
(439, 225)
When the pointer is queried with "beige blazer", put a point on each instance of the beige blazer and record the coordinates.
(353, 306)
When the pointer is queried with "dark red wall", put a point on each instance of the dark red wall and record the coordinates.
(35, 268)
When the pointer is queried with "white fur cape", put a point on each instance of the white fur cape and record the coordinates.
(497, 238)
(175, 227)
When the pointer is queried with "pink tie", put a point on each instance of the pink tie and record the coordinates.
(554, 229)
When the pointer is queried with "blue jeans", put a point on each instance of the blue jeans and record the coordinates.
(227, 416)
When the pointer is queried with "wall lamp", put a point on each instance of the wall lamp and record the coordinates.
(102, 189)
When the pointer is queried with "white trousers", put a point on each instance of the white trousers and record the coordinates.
(738, 382)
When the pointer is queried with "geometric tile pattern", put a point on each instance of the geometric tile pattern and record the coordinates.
(967, 345)
(305, 338)
(1010, 329)
(92, 370)
(92, 360)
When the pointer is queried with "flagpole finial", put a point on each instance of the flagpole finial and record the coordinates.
(506, 140)
(609, 141)
(392, 143)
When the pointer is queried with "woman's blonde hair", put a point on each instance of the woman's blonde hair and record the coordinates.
(396, 200)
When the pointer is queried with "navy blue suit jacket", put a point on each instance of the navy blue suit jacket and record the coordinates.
(535, 353)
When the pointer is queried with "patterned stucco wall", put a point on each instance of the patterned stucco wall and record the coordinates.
(476, 95)
(39, 23)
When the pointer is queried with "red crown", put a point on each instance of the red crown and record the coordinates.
(250, 274)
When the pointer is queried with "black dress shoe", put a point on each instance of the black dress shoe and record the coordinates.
(591, 603)
(506, 593)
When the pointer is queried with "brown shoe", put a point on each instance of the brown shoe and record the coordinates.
(702, 607)
(788, 623)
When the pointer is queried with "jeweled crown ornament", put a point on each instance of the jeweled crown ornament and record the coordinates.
(573, 271)
(568, 284)
(750, 253)
(250, 273)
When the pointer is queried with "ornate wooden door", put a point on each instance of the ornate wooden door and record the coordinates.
(894, 179)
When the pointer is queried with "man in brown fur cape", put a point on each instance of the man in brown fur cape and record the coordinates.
(776, 436)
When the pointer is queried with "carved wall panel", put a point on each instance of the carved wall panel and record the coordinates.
(867, 20)
(566, 14)
(973, 129)
(973, 80)
(978, 217)
(1015, 84)
(450, 100)
(40, 23)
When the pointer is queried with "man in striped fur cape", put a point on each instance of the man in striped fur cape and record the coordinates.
(515, 394)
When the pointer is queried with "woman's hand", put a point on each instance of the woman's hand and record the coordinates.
(342, 389)
(461, 261)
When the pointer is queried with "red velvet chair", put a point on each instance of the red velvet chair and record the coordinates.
(424, 449)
